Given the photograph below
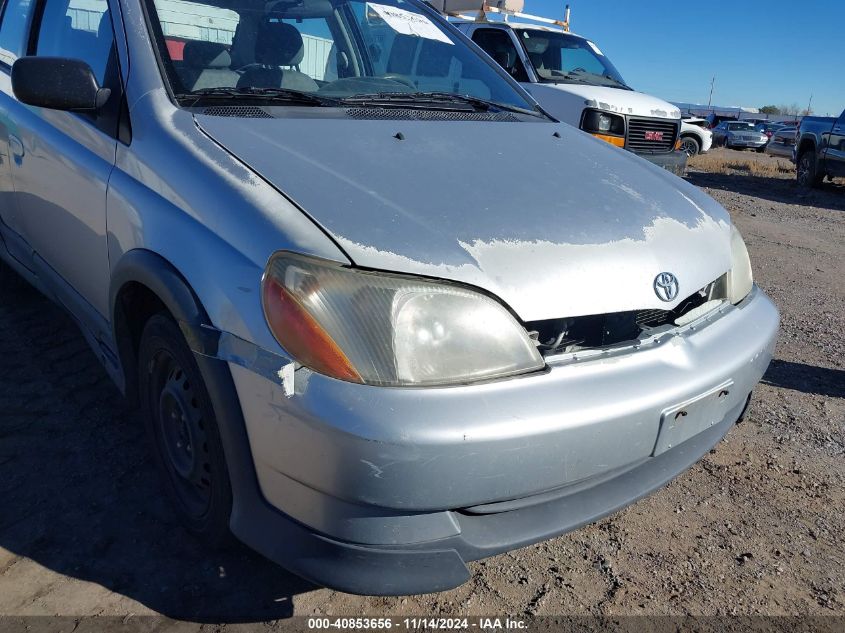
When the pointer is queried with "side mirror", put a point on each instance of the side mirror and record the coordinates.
(57, 83)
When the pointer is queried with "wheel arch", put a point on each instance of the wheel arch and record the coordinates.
(144, 283)
(805, 144)
(157, 284)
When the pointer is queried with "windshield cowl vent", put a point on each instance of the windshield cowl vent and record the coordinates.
(414, 114)
(241, 112)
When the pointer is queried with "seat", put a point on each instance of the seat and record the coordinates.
(277, 44)
(207, 65)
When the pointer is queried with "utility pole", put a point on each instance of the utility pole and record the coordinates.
(710, 98)
(808, 106)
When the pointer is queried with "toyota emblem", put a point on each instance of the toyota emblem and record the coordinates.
(666, 286)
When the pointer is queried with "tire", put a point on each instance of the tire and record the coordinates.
(182, 429)
(806, 170)
(690, 146)
(761, 150)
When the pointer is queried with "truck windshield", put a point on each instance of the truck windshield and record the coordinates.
(323, 52)
(564, 58)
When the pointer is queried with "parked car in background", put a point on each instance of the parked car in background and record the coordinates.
(573, 80)
(820, 149)
(768, 128)
(782, 142)
(367, 370)
(695, 137)
(739, 135)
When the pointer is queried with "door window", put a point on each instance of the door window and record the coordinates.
(80, 29)
(13, 30)
(498, 45)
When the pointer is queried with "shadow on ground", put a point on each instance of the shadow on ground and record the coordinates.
(806, 378)
(79, 494)
(785, 190)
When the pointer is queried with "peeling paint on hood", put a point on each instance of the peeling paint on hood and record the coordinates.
(553, 226)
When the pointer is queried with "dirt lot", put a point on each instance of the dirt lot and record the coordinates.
(756, 528)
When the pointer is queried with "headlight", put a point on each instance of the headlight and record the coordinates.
(740, 279)
(384, 329)
(597, 122)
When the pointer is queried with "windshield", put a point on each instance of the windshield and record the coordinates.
(322, 52)
(563, 58)
(740, 127)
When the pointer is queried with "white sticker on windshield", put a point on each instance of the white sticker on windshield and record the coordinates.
(409, 23)
(595, 48)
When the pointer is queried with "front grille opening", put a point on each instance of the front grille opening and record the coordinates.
(651, 136)
(596, 331)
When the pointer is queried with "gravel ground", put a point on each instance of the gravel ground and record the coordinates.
(755, 528)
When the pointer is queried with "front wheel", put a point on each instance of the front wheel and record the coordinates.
(182, 428)
(762, 149)
(807, 171)
(690, 146)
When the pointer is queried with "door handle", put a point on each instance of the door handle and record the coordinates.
(16, 147)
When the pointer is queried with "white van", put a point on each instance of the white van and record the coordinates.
(574, 81)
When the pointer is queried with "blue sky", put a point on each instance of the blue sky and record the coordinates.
(762, 52)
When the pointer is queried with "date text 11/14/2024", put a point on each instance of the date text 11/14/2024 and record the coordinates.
(417, 623)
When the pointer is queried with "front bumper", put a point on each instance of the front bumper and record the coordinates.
(745, 144)
(390, 490)
(675, 162)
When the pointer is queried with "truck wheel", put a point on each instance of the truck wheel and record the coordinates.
(182, 428)
(806, 170)
(690, 146)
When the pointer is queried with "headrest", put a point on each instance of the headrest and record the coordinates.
(104, 28)
(199, 54)
(278, 44)
(534, 44)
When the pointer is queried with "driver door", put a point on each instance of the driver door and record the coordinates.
(65, 159)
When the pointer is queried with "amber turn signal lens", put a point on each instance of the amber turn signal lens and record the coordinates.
(302, 336)
(618, 141)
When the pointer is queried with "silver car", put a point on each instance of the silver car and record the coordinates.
(739, 135)
(782, 142)
(381, 315)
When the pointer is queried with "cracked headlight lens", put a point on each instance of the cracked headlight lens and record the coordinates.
(385, 329)
(740, 278)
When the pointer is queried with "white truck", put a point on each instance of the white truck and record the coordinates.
(571, 78)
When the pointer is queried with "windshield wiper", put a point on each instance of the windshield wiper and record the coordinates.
(621, 84)
(577, 75)
(433, 101)
(251, 93)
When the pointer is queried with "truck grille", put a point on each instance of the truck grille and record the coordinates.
(651, 136)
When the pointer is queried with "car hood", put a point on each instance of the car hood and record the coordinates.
(628, 102)
(554, 222)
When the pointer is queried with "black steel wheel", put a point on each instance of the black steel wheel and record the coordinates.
(183, 431)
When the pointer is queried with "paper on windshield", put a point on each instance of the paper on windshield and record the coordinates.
(409, 23)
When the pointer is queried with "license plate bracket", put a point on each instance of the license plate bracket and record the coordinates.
(687, 419)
